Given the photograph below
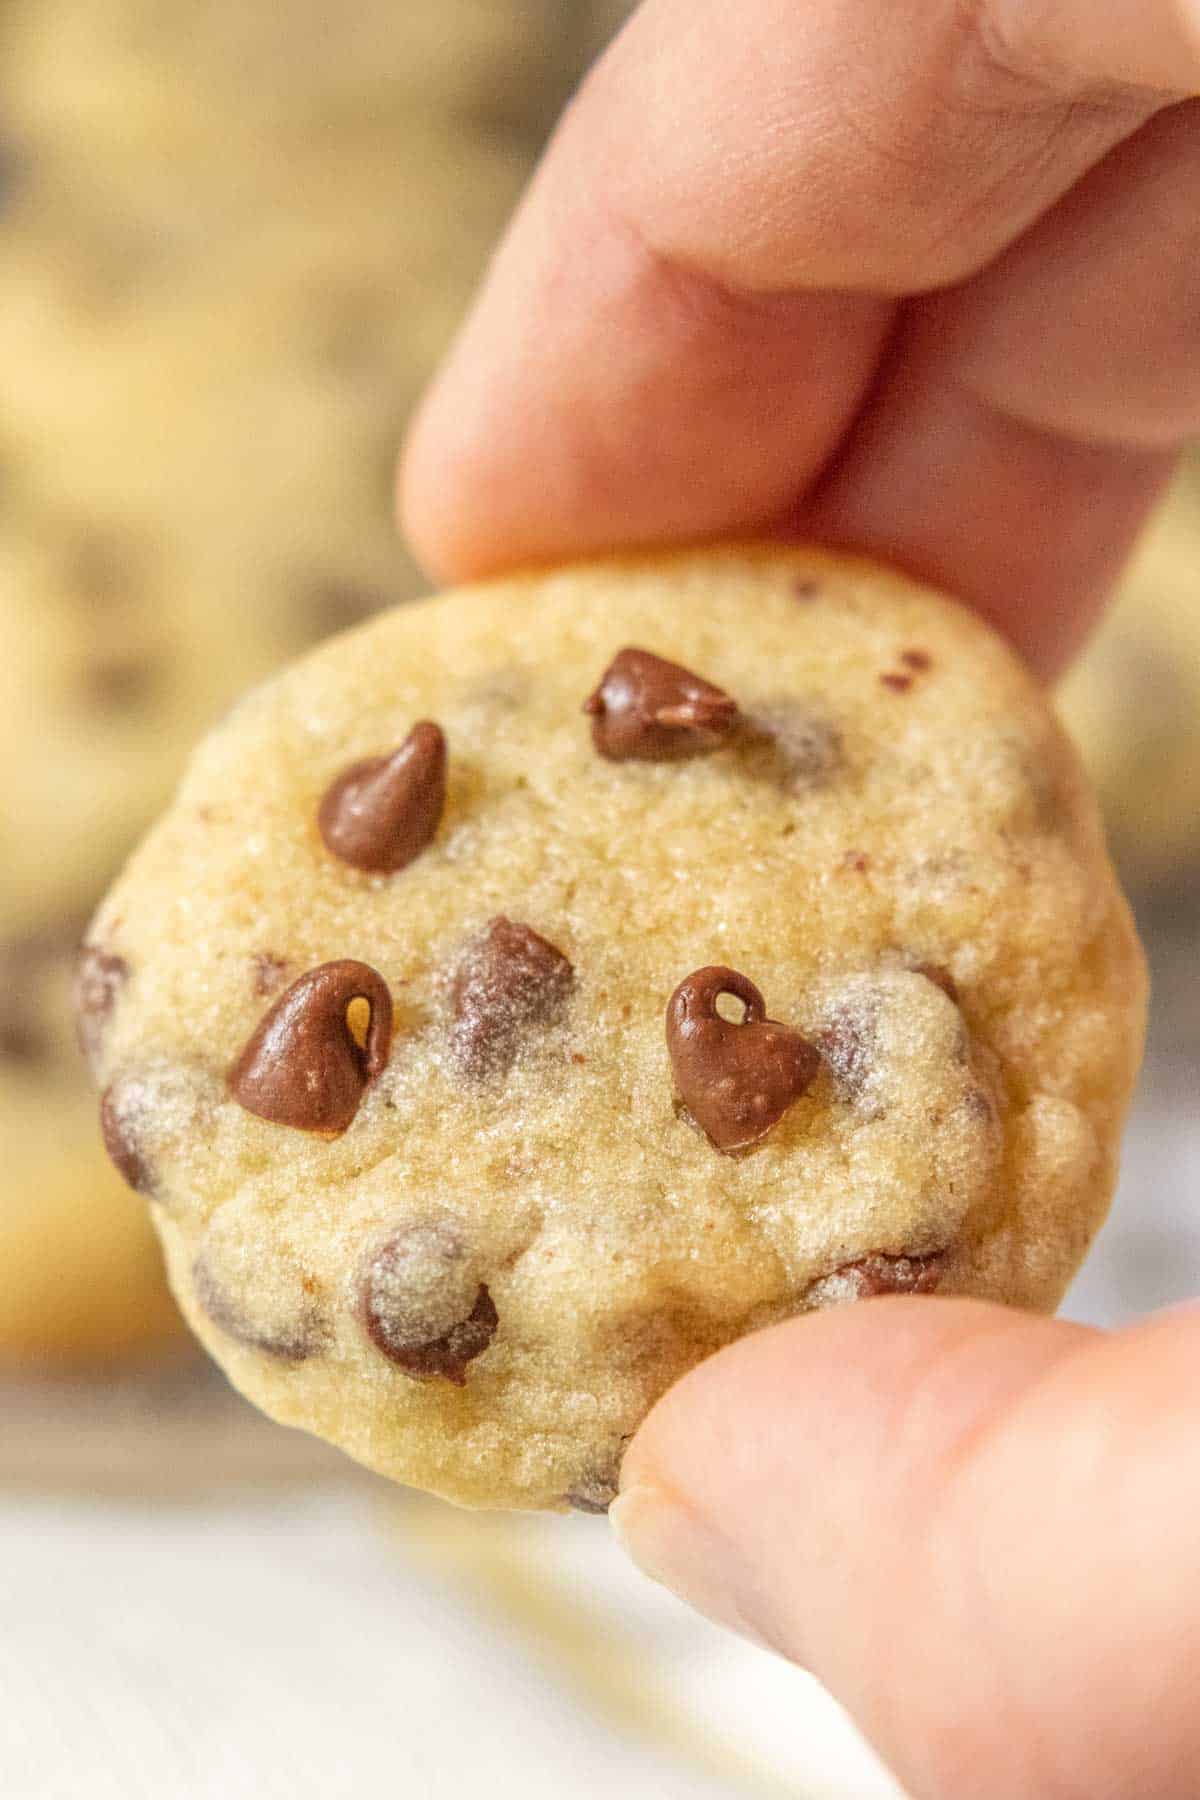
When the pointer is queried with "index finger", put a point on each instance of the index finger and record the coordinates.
(692, 306)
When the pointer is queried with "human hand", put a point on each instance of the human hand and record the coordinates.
(979, 1529)
(917, 280)
(923, 281)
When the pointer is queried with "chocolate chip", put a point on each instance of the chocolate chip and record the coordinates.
(655, 711)
(121, 683)
(293, 1341)
(509, 982)
(121, 1141)
(736, 1080)
(940, 977)
(917, 659)
(381, 813)
(269, 971)
(423, 1305)
(899, 684)
(303, 1066)
(805, 588)
(872, 1276)
(99, 979)
(847, 1044)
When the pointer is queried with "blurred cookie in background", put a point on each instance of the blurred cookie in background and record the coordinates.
(234, 240)
(138, 68)
(199, 480)
(1133, 701)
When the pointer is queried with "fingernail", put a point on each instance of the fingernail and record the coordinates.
(679, 1550)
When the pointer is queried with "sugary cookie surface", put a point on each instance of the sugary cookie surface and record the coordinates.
(535, 989)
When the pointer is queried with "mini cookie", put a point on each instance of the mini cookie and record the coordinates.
(753, 949)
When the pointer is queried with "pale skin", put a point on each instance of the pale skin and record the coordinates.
(921, 279)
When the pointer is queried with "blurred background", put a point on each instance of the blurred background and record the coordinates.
(235, 237)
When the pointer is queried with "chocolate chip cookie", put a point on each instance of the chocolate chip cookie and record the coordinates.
(537, 988)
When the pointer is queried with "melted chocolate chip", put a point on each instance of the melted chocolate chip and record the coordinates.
(303, 1066)
(737, 1081)
(805, 588)
(899, 684)
(380, 814)
(509, 983)
(99, 978)
(121, 1142)
(422, 1305)
(294, 1342)
(651, 710)
(920, 660)
(876, 1275)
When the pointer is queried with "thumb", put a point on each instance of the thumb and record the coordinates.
(981, 1530)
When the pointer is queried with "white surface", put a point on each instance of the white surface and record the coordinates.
(286, 1649)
